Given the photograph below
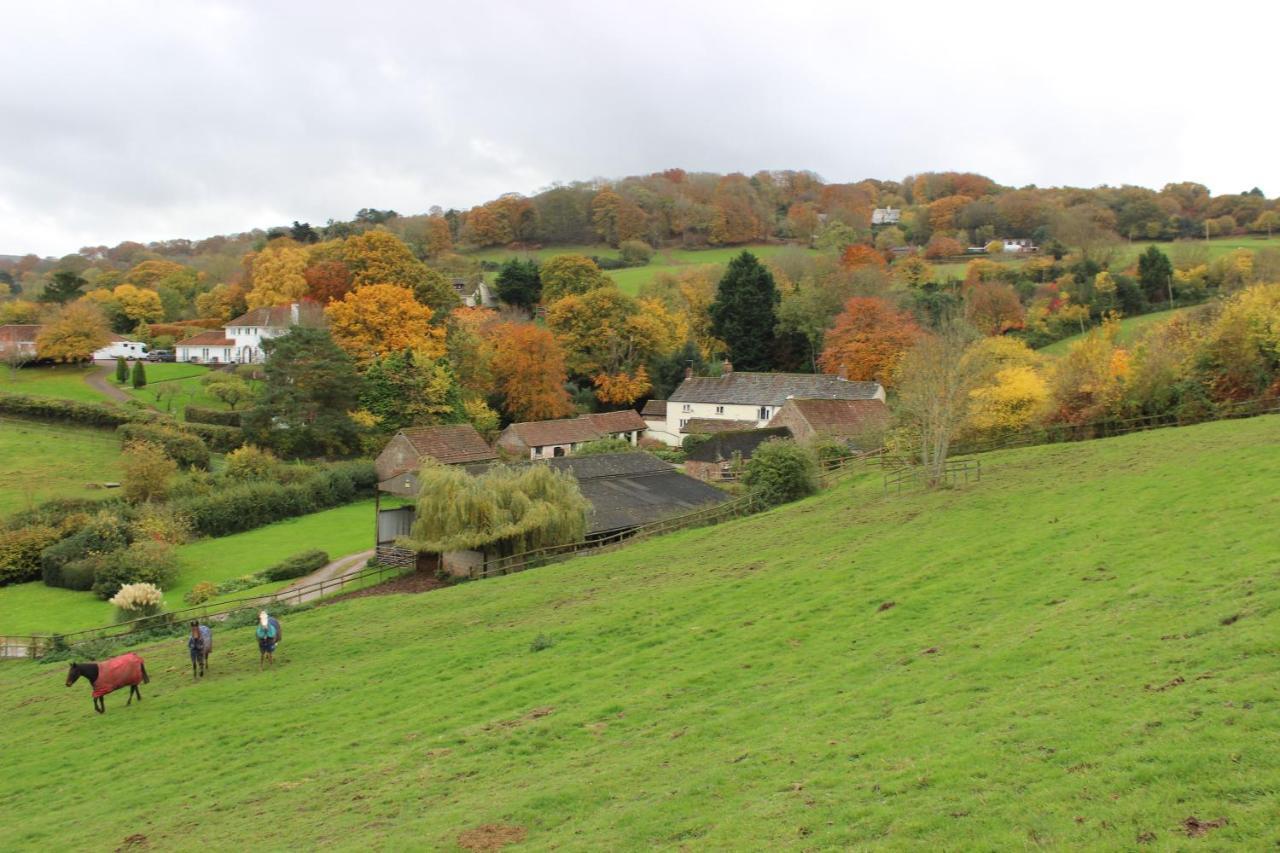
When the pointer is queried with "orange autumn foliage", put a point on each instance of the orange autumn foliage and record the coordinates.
(858, 255)
(868, 340)
(528, 370)
(622, 389)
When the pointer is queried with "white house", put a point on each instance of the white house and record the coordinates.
(240, 342)
(751, 397)
(1019, 245)
(886, 216)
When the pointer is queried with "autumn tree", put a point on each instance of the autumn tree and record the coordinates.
(278, 275)
(439, 239)
(868, 340)
(913, 271)
(943, 247)
(404, 389)
(616, 219)
(470, 345)
(139, 305)
(380, 319)
(74, 334)
(309, 388)
(518, 283)
(149, 274)
(380, 257)
(566, 274)
(861, 255)
(529, 372)
(1013, 394)
(148, 471)
(328, 281)
(744, 313)
(994, 308)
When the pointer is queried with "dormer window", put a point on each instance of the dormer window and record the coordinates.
(686, 408)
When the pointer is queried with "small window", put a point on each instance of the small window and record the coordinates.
(683, 421)
(719, 410)
(687, 408)
(537, 451)
(764, 413)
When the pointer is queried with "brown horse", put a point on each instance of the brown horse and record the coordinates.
(200, 644)
(106, 676)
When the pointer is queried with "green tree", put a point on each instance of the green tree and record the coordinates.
(233, 391)
(310, 385)
(139, 377)
(566, 274)
(122, 370)
(1155, 274)
(63, 287)
(744, 313)
(519, 283)
(401, 390)
(781, 470)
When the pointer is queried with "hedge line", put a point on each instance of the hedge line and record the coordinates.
(182, 446)
(251, 505)
(201, 415)
(68, 411)
(220, 439)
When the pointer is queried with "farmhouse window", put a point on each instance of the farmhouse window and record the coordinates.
(687, 408)
(719, 410)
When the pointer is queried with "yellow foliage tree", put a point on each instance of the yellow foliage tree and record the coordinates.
(380, 319)
(913, 271)
(278, 275)
(74, 335)
(19, 311)
(138, 304)
(1015, 399)
(380, 257)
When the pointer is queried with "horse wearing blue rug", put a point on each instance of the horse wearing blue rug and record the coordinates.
(269, 635)
(199, 644)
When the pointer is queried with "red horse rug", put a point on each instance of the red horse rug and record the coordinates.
(122, 671)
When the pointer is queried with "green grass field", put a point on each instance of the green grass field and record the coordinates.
(1131, 328)
(64, 381)
(42, 461)
(35, 608)
(1078, 652)
(186, 378)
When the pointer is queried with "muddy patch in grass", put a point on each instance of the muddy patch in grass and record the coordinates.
(1168, 685)
(137, 841)
(491, 836)
(1194, 827)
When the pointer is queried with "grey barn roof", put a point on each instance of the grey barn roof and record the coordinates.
(770, 389)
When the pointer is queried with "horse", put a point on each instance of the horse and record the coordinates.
(200, 644)
(268, 633)
(106, 676)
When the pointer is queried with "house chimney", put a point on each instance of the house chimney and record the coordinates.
(726, 367)
(293, 313)
(844, 373)
(688, 371)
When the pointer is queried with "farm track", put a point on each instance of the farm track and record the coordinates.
(336, 568)
(99, 380)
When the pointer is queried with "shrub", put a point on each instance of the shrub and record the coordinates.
(200, 593)
(604, 445)
(141, 562)
(147, 471)
(20, 552)
(135, 600)
(122, 370)
(689, 442)
(220, 439)
(297, 566)
(161, 523)
(541, 642)
(251, 463)
(635, 253)
(674, 455)
(828, 449)
(185, 448)
(101, 534)
(48, 409)
(199, 415)
(81, 574)
(780, 471)
(139, 377)
(236, 584)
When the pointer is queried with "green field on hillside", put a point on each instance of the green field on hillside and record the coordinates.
(29, 608)
(43, 461)
(1131, 328)
(1077, 652)
(164, 378)
(63, 380)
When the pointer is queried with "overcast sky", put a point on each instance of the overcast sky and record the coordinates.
(144, 121)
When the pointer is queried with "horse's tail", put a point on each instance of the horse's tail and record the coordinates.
(146, 679)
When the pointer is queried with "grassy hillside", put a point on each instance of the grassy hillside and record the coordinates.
(1130, 329)
(35, 608)
(42, 461)
(64, 381)
(1079, 651)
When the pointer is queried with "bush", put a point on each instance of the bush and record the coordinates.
(780, 471)
(139, 376)
(689, 442)
(160, 523)
(148, 471)
(81, 574)
(136, 600)
(200, 593)
(635, 253)
(199, 415)
(251, 463)
(142, 562)
(101, 534)
(47, 409)
(674, 455)
(297, 566)
(611, 444)
(220, 439)
(185, 448)
(20, 552)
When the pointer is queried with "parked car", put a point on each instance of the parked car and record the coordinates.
(161, 355)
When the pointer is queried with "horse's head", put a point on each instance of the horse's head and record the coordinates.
(195, 630)
(73, 673)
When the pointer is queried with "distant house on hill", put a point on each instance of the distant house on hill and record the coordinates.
(625, 490)
(886, 216)
(20, 338)
(717, 458)
(858, 423)
(1019, 245)
(545, 439)
(475, 294)
(751, 398)
(240, 342)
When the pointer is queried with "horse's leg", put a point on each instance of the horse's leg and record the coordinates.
(138, 690)
(100, 704)
(133, 688)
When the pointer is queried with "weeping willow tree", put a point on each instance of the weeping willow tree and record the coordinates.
(504, 511)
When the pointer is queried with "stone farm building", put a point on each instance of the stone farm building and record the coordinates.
(717, 459)
(857, 423)
(240, 342)
(750, 399)
(545, 439)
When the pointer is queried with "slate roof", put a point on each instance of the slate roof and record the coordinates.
(841, 418)
(707, 426)
(633, 488)
(770, 389)
(450, 445)
(279, 316)
(212, 338)
(576, 430)
(723, 446)
(655, 409)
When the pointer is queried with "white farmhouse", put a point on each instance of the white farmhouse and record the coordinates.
(750, 398)
(240, 342)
